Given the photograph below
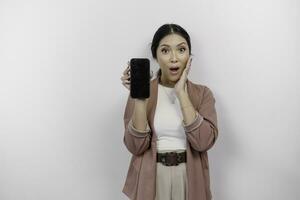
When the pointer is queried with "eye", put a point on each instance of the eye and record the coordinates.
(183, 49)
(163, 50)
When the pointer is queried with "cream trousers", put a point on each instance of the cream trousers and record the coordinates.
(171, 181)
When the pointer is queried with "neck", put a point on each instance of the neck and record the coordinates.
(166, 83)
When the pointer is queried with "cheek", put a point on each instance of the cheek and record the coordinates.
(163, 58)
(163, 62)
(185, 60)
(185, 57)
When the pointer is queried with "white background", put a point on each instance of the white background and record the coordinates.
(62, 101)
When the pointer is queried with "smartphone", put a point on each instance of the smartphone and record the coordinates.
(140, 78)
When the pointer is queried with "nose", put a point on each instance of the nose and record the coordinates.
(173, 57)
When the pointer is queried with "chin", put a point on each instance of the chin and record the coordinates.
(174, 78)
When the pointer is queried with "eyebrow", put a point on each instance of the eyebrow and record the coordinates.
(177, 44)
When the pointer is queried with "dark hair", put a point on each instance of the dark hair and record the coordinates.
(164, 30)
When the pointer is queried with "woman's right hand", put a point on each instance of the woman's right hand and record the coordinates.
(140, 104)
(126, 76)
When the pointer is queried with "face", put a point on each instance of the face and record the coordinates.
(172, 52)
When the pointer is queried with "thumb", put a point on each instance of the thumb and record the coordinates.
(151, 74)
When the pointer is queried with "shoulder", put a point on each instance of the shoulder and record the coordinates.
(202, 91)
(201, 88)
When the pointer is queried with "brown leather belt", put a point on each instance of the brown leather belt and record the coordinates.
(171, 158)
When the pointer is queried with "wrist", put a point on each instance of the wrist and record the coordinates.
(141, 102)
(182, 94)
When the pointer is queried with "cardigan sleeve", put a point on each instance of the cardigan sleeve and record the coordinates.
(136, 141)
(202, 133)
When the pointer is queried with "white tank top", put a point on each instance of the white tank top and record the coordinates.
(168, 121)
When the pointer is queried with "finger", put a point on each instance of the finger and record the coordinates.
(125, 78)
(190, 64)
(186, 69)
(189, 67)
(187, 64)
(190, 61)
(126, 70)
(127, 75)
(189, 70)
(126, 83)
(127, 86)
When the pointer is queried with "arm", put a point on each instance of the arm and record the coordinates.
(136, 138)
(201, 130)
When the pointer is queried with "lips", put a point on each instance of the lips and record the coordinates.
(174, 70)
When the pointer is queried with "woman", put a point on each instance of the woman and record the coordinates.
(170, 132)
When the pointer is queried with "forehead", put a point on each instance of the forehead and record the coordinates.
(172, 40)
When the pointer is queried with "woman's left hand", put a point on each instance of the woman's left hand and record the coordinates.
(180, 86)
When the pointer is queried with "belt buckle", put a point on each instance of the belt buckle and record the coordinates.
(171, 159)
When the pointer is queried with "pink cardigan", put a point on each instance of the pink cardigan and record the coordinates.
(201, 135)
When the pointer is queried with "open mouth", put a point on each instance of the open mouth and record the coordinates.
(174, 70)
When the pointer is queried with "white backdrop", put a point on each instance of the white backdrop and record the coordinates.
(62, 101)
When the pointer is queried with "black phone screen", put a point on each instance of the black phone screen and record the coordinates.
(140, 78)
